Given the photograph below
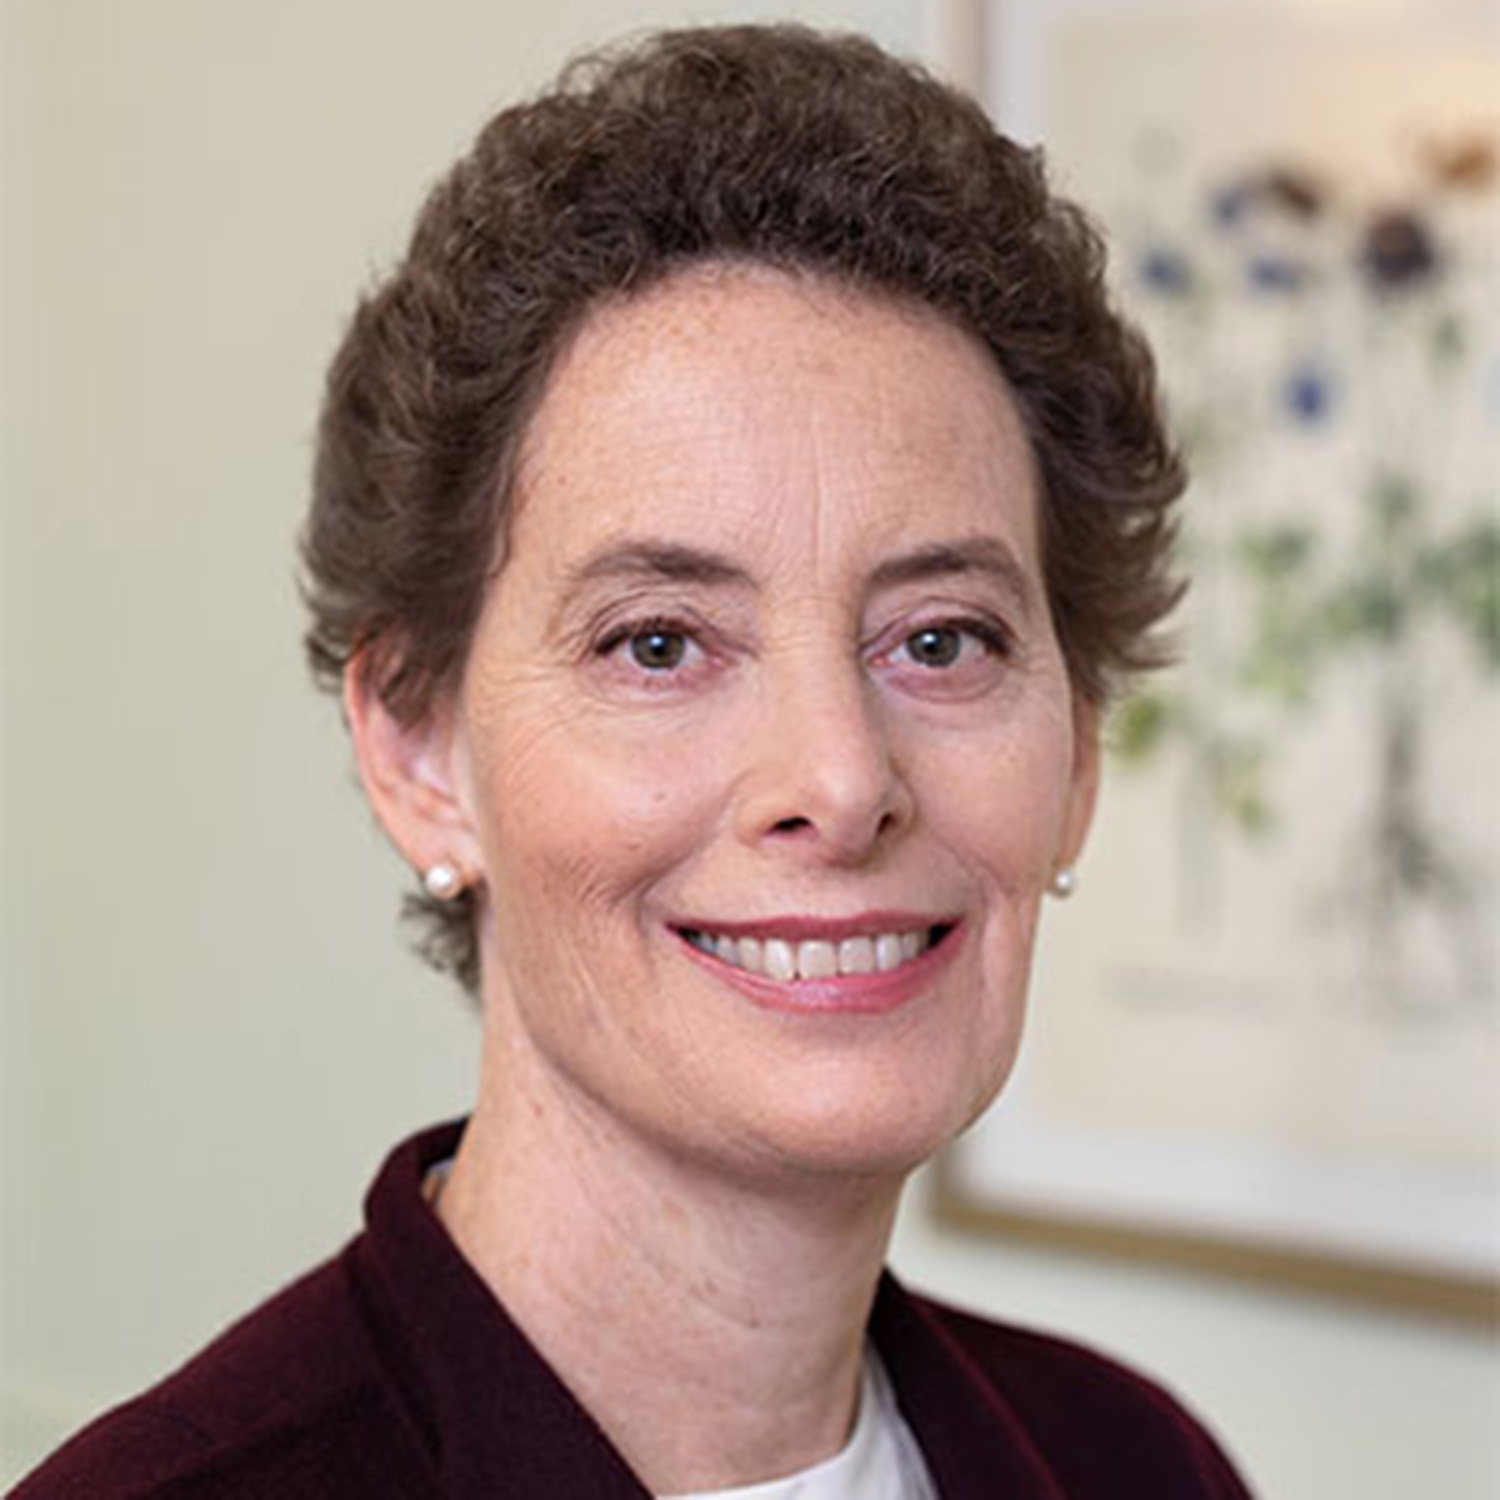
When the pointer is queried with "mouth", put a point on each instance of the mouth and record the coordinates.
(786, 960)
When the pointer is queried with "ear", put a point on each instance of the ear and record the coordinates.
(412, 774)
(1084, 791)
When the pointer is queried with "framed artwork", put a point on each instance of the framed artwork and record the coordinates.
(1265, 1035)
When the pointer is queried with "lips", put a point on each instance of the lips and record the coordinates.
(788, 960)
(867, 962)
(803, 966)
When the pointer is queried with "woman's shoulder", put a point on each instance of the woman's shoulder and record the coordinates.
(1098, 1426)
(282, 1403)
(1049, 1367)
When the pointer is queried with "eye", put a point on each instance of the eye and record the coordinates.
(935, 646)
(653, 650)
(657, 650)
(949, 644)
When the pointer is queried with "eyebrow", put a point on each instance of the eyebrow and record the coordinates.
(984, 555)
(675, 562)
(667, 561)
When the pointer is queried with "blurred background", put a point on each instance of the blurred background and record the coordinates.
(210, 1030)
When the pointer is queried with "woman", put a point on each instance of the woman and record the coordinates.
(730, 522)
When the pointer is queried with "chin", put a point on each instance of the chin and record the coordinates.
(878, 1128)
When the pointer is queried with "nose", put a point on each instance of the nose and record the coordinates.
(820, 776)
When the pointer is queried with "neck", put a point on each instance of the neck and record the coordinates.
(742, 1302)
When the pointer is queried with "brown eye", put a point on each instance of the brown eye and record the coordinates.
(936, 646)
(658, 650)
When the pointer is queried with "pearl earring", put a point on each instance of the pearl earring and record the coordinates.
(442, 881)
(1064, 883)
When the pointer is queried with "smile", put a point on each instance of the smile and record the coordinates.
(786, 961)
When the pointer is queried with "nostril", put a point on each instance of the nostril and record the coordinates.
(791, 825)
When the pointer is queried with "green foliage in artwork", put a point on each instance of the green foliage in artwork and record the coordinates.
(1285, 640)
(1461, 577)
(1331, 366)
(1238, 781)
(1451, 341)
(1139, 726)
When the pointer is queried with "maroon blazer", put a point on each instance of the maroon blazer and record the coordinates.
(392, 1371)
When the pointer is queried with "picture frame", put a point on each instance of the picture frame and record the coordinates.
(1265, 1036)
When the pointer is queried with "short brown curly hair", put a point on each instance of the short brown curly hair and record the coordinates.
(775, 144)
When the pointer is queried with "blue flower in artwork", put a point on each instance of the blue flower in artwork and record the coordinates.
(1166, 271)
(1308, 394)
(1277, 274)
(1227, 205)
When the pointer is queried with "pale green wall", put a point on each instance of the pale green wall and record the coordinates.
(211, 1032)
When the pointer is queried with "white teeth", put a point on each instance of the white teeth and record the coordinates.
(780, 960)
(817, 960)
(857, 956)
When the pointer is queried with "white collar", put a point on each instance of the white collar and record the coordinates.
(881, 1460)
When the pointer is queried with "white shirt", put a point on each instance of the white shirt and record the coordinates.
(881, 1460)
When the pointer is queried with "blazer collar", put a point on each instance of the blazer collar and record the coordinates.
(975, 1444)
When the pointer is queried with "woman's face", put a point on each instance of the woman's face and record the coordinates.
(766, 751)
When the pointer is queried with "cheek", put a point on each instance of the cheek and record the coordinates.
(1000, 801)
(999, 804)
(576, 816)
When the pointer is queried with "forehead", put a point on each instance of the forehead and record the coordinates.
(738, 405)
